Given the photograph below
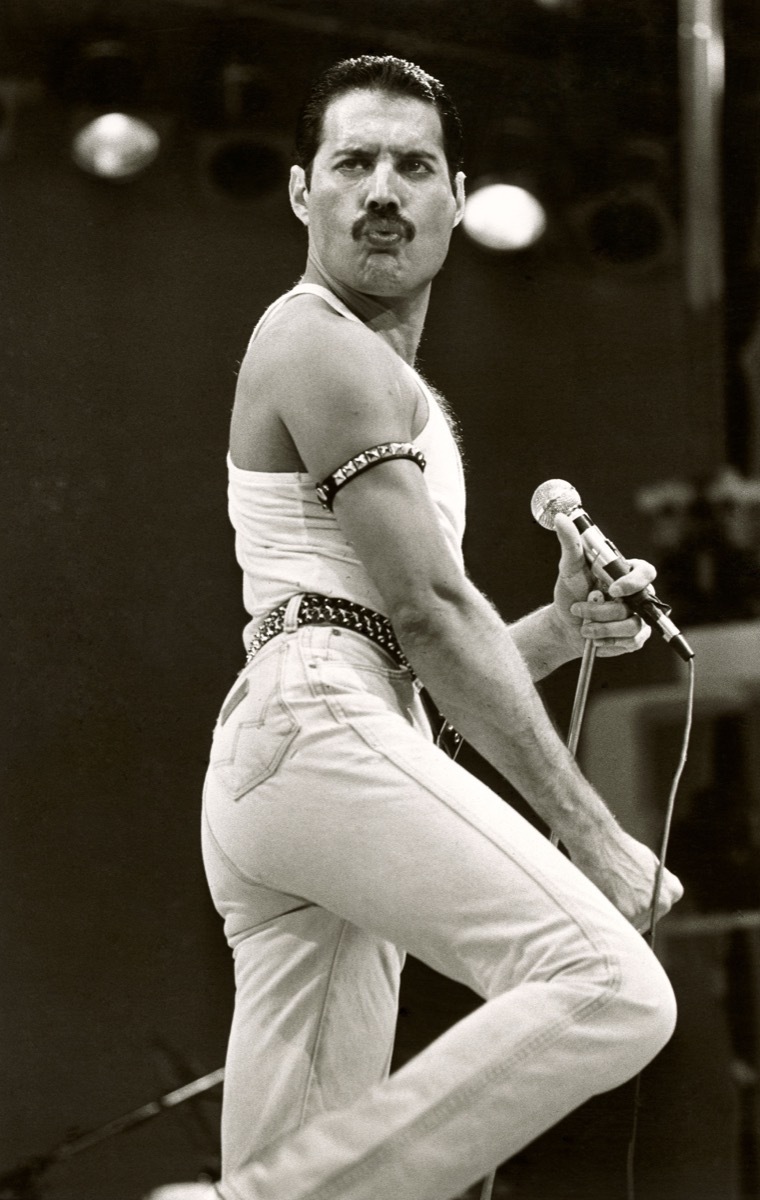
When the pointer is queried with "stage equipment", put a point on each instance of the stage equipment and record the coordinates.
(102, 78)
(628, 224)
(23, 1181)
(552, 497)
(506, 208)
(240, 157)
(115, 146)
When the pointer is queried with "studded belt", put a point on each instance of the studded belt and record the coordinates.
(329, 610)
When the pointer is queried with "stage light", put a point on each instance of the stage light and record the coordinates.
(115, 146)
(511, 164)
(628, 224)
(240, 158)
(100, 74)
(626, 227)
(504, 216)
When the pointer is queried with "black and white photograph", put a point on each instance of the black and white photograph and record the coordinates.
(381, 517)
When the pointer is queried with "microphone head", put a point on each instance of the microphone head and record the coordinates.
(554, 496)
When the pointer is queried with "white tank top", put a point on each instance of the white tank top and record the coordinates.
(286, 542)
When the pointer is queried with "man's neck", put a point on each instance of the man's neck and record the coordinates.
(397, 319)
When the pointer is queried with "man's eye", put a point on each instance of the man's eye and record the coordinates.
(350, 165)
(416, 166)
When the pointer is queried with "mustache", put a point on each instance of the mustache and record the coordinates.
(390, 223)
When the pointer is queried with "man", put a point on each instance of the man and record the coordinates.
(337, 835)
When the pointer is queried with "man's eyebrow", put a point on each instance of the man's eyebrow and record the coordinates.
(398, 152)
(351, 148)
(418, 152)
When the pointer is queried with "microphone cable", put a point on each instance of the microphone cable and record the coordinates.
(652, 933)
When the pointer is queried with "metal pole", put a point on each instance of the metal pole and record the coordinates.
(701, 56)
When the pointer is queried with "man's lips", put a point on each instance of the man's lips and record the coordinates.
(383, 237)
(383, 233)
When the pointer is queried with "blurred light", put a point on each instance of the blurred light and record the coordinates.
(115, 146)
(100, 74)
(504, 217)
(710, 51)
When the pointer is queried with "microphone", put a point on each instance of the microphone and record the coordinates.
(604, 559)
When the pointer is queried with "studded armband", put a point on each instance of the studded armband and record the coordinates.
(363, 462)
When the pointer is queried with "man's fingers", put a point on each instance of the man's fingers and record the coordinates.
(610, 624)
(601, 610)
(572, 557)
(641, 574)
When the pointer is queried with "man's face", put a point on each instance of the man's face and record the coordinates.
(380, 206)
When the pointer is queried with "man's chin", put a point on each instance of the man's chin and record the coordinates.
(384, 275)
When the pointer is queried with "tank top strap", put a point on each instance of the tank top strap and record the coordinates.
(311, 289)
(316, 289)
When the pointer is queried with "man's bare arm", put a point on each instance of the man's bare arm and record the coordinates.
(339, 400)
(468, 660)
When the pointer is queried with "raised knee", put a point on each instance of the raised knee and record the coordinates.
(648, 997)
(638, 1016)
(665, 1013)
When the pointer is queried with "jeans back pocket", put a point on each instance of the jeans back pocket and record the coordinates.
(254, 730)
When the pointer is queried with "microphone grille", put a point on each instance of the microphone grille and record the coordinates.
(554, 496)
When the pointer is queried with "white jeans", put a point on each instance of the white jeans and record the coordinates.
(336, 836)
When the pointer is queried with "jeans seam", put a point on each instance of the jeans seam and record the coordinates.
(320, 1023)
(453, 1101)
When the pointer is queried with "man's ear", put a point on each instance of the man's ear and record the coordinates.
(299, 194)
(459, 196)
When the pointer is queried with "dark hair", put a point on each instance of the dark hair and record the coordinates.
(381, 73)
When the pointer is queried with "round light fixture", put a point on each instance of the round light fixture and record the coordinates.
(504, 217)
(115, 146)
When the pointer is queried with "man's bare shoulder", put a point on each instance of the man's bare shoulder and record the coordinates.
(315, 388)
(308, 345)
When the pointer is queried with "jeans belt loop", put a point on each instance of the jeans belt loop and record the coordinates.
(291, 613)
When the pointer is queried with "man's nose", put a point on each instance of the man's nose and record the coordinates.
(384, 187)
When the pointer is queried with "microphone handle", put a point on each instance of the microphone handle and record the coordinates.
(608, 564)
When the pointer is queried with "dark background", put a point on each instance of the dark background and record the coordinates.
(124, 313)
